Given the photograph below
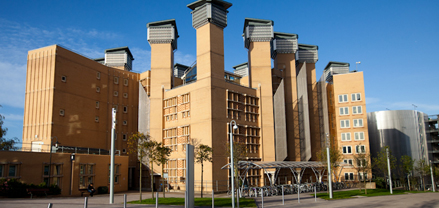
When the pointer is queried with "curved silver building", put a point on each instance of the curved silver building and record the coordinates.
(402, 130)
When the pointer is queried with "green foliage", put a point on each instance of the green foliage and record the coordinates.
(15, 188)
(102, 190)
(380, 182)
(201, 202)
(371, 192)
(407, 164)
(336, 156)
(379, 163)
(203, 153)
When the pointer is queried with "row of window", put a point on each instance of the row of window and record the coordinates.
(347, 136)
(355, 110)
(347, 124)
(125, 108)
(350, 176)
(8, 170)
(360, 163)
(354, 97)
(358, 149)
(98, 76)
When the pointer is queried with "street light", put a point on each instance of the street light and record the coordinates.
(432, 177)
(231, 159)
(50, 157)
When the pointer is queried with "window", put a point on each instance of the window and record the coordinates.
(86, 174)
(98, 89)
(360, 149)
(116, 80)
(116, 173)
(61, 112)
(63, 78)
(358, 122)
(125, 95)
(347, 150)
(124, 137)
(125, 109)
(357, 110)
(344, 110)
(2, 170)
(12, 171)
(124, 151)
(348, 161)
(125, 122)
(359, 135)
(348, 176)
(97, 119)
(98, 75)
(344, 124)
(356, 97)
(343, 98)
(125, 82)
(345, 136)
(97, 104)
(116, 93)
(361, 163)
(360, 176)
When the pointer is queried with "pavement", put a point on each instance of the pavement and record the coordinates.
(424, 200)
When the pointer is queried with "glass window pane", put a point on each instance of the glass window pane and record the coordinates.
(353, 97)
(360, 110)
(348, 136)
(46, 170)
(358, 96)
(345, 98)
(349, 149)
(340, 98)
(354, 109)
(360, 122)
(347, 123)
(12, 170)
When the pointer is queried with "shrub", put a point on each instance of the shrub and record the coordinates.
(102, 190)
(380, 182)
(15, 188)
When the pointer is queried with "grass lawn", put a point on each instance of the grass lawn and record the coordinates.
(219, 202)
(370, 192)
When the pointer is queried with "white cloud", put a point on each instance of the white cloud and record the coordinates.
(185, 59)
(13, 117)
(12, 84)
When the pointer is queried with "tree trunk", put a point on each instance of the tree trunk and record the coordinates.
(163, 181)
(202, 170)
(365, 188)
(423, 182)
(152, 180)
(140, 181)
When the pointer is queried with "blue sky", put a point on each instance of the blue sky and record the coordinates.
(396, 41)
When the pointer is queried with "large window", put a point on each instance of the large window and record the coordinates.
(347, 150)
(9, 170)
(343, 98)
(348, 176)
(2, 170)
(356, 97)
(116, 173)
(346, 136)
(344, 110)
(359, 135)
(358, 122)
(86, 174)
(348, 161)
(13, 171)
(360, 176)
(360, 149)
(357, 110)
(344, 124)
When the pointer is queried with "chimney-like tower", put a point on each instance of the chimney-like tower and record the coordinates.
(209, 18)
(258, 35)
(162, 36)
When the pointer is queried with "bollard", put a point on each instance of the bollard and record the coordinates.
(124, 201)
(298, 194)
(156, 199)
(283, 198)
(315, 193)
(85, 202)
(262, 195)
(50, 205)
(213, 199)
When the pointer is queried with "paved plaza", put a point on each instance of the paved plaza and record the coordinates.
(424, 200)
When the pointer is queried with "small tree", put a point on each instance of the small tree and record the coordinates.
(407, 166)
(423, 169)
(239, 152)
(160, 157)
(203, 153)
(335, 158)
(142, 145)
(362, 165)
(380, 162)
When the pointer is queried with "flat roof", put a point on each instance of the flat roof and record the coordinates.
(308, 47)
(199, 3)
(280, 164)
(125, 48)
(286, 35)
(164, 23)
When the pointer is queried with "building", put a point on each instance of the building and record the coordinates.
(283, 112)
(406, 132)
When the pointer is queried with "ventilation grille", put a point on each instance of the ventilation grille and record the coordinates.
(259, 33)
(209, 13)
(308, 56)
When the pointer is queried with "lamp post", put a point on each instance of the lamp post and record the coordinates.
(232, 169)
(50, 157)
(388, 169)
(432, 177)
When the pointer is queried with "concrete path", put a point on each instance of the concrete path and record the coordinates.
(424, 200)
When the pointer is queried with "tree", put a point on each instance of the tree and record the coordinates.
(6, 144)
(423, 169)
(380, 162)
(239, 152)
(203, 153)
(142, 145)
(407, 166)
(160, 157)
(362, 165)
(335, 158)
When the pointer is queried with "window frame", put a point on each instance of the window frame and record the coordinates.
(345, 134)
(343, 100)
(343, 111)
(355, 108)
(363, 150)
(358, 122)
(356, 96)
(344, 124)
(345, 149)
(358, 133)
(116, 80)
